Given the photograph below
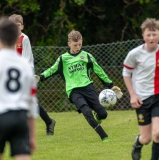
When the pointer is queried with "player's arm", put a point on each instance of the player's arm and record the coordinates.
(27, 51)
(55, 69)
(128, 68)
(104, 78)
(32, 100)
(32, 114)
(32, 134)
(135, 101)
(128, 83)
(100, 73)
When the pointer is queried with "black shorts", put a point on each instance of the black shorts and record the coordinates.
(149, 109)
(85, 96)
(14, 129)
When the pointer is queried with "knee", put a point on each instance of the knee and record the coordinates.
(145, 140)
(155, 136)
(102, 115)
(88, 115)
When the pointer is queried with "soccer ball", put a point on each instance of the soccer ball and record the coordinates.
(107, 98)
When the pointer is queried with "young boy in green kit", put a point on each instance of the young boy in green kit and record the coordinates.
(74, 67)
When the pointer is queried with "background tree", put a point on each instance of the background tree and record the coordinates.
(48, 22)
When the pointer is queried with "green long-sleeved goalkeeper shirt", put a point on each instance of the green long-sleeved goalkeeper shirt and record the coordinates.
(75, 70)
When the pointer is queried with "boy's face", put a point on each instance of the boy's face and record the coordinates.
(75, 47)
(151, 39)
(20, 27)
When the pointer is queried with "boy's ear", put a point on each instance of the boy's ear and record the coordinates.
(68, 43)
(22, 27)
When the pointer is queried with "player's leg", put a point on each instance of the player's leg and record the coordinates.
(155, 131)
(1, 148)
(19, 136)
(1, 156)
(143, 138)
(100, 114)
(86, 111)
(96, 117)
(14, 128)
(82, 107)
(144, 122)
(92, 96)
(22, 157)
(2, 142)
(50, 123)
(155, 150)
(5, 122)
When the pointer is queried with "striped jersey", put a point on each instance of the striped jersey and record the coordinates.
(17, 83)
(23, 47)
(143, 66)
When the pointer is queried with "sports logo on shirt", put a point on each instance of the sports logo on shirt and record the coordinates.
(82, 57)
(76, 67)
(141, 118)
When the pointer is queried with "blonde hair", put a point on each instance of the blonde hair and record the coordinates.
(74, 36)
(16, 18)
(151, 23)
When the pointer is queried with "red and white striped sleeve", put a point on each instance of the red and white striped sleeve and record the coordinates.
(129, 63)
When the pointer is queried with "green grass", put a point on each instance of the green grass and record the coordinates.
(74, 139)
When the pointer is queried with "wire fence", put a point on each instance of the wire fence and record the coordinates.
(51, 93)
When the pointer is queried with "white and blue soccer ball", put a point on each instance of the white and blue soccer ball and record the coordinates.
(107, 98)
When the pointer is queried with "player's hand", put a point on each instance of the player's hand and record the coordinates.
(118, 92)
(135, 101)
(37, 78)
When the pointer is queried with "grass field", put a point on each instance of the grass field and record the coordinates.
(74, 139)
